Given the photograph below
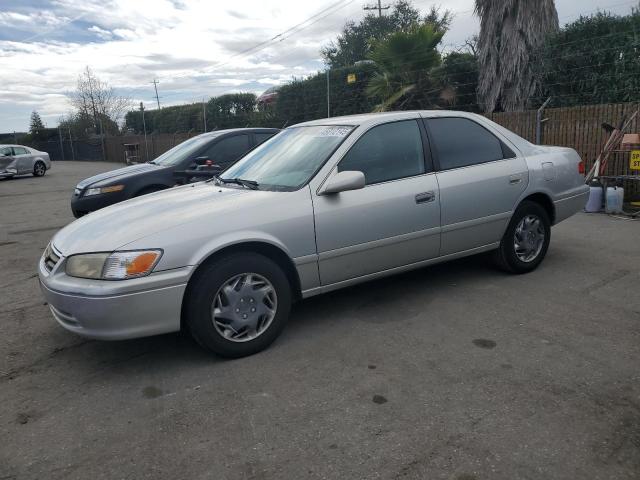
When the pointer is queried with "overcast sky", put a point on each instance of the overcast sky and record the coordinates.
(193, 47)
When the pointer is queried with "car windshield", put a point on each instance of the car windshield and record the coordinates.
(182, 151)
(288, 160)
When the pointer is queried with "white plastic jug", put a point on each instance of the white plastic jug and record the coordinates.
(613, 200)
(594, 204)
(621, 198)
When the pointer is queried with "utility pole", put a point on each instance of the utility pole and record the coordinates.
(104, 156)
(73, 155)
(204, 114)
(144, 127)
(379, 7)
(328, 103)
(155, 85)
(61, 144)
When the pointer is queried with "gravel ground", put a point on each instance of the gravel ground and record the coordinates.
(455, 372)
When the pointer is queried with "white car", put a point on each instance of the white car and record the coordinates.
(21, 160)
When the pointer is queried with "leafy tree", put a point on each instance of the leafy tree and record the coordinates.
(356, 40)
(82, 125)
(459, 76)
(302, 100)
(36, 126)
(593, 60)
(231, 110)
(511, 32)
(406, 62)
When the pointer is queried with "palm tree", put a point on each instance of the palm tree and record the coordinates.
(405, 61)
(511, 31)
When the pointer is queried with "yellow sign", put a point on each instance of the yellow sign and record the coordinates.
(351, 78)
(634, 163)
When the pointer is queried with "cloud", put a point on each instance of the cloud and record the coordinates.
(101, 32)
(240, 15)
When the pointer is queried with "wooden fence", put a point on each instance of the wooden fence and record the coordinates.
(577, 127)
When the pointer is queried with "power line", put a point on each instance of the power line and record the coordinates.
(334, 7)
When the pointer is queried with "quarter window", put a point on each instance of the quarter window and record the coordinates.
(461, 142)
(387, 152)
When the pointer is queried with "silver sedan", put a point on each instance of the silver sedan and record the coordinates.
(320, 206)
(21, 160)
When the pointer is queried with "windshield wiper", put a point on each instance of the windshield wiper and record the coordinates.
(252, 184)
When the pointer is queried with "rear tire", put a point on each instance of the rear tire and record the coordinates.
(526, 240)
(39, 169)
(238, 305)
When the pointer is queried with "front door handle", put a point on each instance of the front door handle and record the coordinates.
(425, 197)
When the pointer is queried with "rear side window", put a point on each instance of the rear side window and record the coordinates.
(461, 142)
(262, 137)
(228, 149)
(19, 151)
(387, 152)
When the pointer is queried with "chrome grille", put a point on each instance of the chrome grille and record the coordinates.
(50, 258)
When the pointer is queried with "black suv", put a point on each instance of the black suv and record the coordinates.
(214, 151)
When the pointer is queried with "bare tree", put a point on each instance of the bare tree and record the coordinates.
(97, 100)
(511, 31)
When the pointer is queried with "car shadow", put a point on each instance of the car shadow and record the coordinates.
(374, 300)
(371, 301)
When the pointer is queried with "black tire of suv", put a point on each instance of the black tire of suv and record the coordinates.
(203, 288)
(505, 256)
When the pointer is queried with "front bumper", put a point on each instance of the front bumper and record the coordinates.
(115, 310)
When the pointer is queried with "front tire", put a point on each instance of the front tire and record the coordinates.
(526, 240)
(39, 169)
(238, 305)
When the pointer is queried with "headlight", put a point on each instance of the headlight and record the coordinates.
(97, 190)
(113, 266)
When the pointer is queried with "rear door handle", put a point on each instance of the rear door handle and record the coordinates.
(515, 179)
(425, 197)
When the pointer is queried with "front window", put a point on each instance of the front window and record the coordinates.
(181, 152)
(291, 158)
(387, 152)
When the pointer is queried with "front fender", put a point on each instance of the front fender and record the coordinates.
(232, 239)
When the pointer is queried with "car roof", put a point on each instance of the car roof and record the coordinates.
(217, 133)
(12, 145)
(372, 118)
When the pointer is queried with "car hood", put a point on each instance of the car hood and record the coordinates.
(112, 227)
(118, 174)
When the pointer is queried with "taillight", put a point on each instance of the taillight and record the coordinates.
(581, 170)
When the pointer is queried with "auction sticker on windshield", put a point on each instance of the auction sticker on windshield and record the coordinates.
(334, 132)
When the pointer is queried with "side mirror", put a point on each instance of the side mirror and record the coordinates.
(344, 181)
(201, 160)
